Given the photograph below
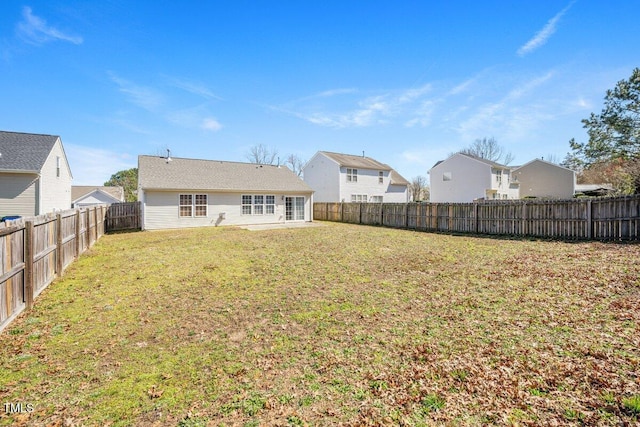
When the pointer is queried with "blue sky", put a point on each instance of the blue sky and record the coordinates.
(408, 82)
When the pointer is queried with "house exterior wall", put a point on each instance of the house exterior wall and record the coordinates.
(502, 185)
(367, 184)
(161, 210)
(323, 176)
(459, 179)
(546, 180)
(397, 194)
(55, 187)
(18, 194)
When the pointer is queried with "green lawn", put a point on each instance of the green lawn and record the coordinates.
(340, 324)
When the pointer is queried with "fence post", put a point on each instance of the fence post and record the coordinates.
(95, 223)
(59, 255)
(28, 264)
(77, 234)
(475, 217)
(524, 228)
(590, 226)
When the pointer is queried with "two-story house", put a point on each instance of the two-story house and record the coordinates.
(539, 178)
(35, 177)
(464, 178)
(337, 177)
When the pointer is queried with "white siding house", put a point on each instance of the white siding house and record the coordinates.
(177, 193)
(35, 177)
(539, 178)
(85, 195)
(339, 177)
(464, 178)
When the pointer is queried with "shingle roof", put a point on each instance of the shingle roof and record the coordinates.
(397, 179)
(352, 161)
(24, 152)
(78, 191)
(362, 162)
(193, 174)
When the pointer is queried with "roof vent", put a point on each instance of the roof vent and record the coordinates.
(168, 156)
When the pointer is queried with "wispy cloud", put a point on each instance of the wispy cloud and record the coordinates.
(94, 166)
(195, 88)
(34, 30)
(369, 111)
(142, 96)
(543, 35)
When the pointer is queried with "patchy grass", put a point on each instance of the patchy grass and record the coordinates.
(339, 324)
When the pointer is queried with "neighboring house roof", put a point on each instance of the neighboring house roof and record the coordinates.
(24, 152)
(479, 159)
(397, 179)
(541, 161)
(193, 174)
(351, 161)
(81, 191)
(362, 162)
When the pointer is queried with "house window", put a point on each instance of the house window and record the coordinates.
(190, 204)
(352, 175)
(499, 176)
(380, 177)
(201, 205)
(270, 205)
(359, 198)
(58, 166)
(258, 204)
(446, 176)
(186, 204)
(246, 204)
(376, 199)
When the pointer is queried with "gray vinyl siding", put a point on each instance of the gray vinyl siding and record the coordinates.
(162, 211)
(18, 194)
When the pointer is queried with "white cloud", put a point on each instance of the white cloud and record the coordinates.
(211, 124)
(543, 35)
(142, 96)
(35, 30)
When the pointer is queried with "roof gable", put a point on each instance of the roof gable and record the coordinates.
(474, 158)
(360, 162)
(82, 191)
(207, 175)
(25, 152)
(544, 162)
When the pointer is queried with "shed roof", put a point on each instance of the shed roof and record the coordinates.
(24, 152)
(194, 174)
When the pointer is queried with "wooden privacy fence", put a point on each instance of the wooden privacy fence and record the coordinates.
(615, 218)
(36, 250)
(123, 216)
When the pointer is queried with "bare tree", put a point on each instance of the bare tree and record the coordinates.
(488, 148)
(294, 163)
(418, 188)
(262, 155)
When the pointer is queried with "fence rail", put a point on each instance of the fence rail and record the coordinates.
(34, 251)
(606, 219)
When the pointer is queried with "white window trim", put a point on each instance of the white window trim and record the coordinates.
(352, 175)
(193, 205)
(253, 204)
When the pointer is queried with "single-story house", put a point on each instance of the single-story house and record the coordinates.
(88, 195)
(179, 192)
(35, 177)
(337, 177)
